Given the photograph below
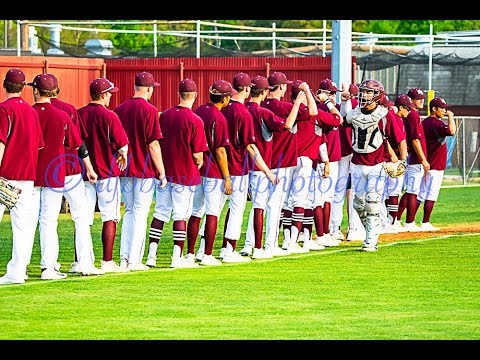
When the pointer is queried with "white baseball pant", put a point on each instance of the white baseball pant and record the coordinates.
(369, 183)
(174, 200)
(74, 193)
(340, 191)
(275, 204)
(23, 222)
(414, 178)
(107, 191)
(237, 203)
(432, 184)
(261, 190)
(48, 203)
(138, 196)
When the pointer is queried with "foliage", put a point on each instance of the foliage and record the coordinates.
(139, 41)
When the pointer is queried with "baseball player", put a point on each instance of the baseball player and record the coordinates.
(140, 121)
(240, 126)
(397, 151)
(316, 194)
(107, 145)
(183, 145)
(418, 164)
(372, 125)
(265, 124)
(58, 132)
(20, 140)
(436, 132)
(308, 143)
(284, 161)
(74, 190)
(343, 186)
(394, 186)
(329, 87)
(211, 194)
(312, 143)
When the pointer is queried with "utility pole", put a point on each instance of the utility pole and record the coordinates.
(342, 53)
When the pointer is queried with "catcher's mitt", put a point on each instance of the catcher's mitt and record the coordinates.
(9, 193)
(395, 169)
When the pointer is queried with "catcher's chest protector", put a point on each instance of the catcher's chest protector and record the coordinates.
(366, 135)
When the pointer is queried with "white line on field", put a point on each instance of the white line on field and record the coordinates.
(295, 256)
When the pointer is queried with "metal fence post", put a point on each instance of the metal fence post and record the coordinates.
(463, 154)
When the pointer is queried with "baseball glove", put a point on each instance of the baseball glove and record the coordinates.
(9, 193)
(395, 169)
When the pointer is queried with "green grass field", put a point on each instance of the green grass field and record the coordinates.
(411, 289)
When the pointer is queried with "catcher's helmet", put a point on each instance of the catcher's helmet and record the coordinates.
(370, 85)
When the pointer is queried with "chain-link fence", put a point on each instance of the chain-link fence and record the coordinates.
(463, 155)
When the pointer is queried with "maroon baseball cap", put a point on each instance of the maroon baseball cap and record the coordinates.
(328, 85)
(353, 89)
(145, 79)
(278, 78)
(43, 82)
(416, 93)
(102, 85)
(187, 85)
(404, 100)
(241, 80)
(386, 101)
(438, 102)
(222, 87)
(261, 82)
(15, 76)
(296, 87)
(54, 79)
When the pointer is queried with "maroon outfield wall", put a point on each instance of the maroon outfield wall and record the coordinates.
(204, 71)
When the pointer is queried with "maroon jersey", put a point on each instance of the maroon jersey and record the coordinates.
(345, 132)
(183, 136)
(414, 130)
(285, 147)
(399, 131)
(139, 118)
(380, 155)
(72, 161)
(265, 124)
(58, 132)
(333, 136)
(308, 140)
(322, 140)
(216, 132)
(436, 132)
(21, 133)
(104, 136)
(240, 125)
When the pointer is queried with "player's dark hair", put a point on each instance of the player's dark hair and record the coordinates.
(45, 93)
(275, 87)
(12, 88)
(217, 98)
(239, 88)
(56, 91)
(254, 92)
(187, 95)
(95, 96)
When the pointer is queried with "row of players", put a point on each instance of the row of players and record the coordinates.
(245, 138)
